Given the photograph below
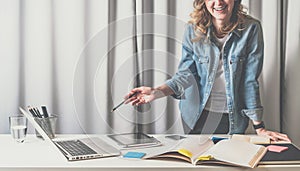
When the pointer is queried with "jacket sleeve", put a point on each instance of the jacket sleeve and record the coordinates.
(185, 76)
(253, 68)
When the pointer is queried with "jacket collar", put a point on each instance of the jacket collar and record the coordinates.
(235, 31)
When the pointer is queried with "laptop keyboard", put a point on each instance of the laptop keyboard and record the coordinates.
(76, 147)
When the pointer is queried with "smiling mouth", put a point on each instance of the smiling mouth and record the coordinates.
(220, 8)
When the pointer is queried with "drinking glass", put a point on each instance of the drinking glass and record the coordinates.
(18, 127)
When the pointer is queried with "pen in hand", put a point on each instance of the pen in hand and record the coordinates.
(115, 108)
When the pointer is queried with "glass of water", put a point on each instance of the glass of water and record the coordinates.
(18, 127)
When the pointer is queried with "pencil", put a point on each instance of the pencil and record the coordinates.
(115, 108)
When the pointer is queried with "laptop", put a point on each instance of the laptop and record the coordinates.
(77, 149)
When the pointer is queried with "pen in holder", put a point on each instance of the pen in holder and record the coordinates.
(48, 124)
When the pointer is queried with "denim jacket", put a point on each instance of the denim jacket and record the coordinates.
(243, 54)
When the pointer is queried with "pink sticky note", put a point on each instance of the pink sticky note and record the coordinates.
(276, 148)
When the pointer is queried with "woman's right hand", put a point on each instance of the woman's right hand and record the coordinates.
(143, 95)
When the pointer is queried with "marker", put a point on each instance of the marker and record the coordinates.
(45, 112)
(115, 108)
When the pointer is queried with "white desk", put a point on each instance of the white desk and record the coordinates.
(35, 154)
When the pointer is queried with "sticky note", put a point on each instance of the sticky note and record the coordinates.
(217, 139)
(185, 152)
(132, 154)
(276, 148)
(209, 157)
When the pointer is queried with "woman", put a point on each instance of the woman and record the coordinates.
(217, 78)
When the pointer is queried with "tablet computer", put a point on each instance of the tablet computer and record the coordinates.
(127, 140)
(289, 156)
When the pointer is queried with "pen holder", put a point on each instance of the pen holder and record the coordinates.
(48, 125)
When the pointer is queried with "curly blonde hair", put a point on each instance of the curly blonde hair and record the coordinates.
(202, 19)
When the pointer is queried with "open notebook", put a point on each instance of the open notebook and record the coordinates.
(201, 151)
(77, 149)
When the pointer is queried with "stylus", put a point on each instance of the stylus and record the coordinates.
(115, 108)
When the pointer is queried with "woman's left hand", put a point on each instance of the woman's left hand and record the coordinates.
(274, 136)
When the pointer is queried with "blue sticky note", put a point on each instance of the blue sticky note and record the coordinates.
(217, 139)
(134, 155)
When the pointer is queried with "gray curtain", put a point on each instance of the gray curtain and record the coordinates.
(291, 77)
(279, 82)
(80, 58)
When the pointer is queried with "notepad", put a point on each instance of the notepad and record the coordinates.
(132, 154)
(252, 139)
